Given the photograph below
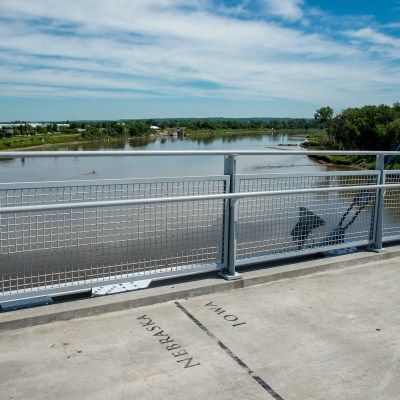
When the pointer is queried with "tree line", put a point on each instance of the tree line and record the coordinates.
(366, 128)
(142, 128)
(138, 128)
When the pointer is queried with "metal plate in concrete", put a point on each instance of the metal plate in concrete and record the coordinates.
(120, 287)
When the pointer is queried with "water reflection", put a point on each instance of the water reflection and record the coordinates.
(39, 169)
(205, 140)
(137, 143)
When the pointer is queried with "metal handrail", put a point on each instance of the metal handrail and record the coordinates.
(157, 200)
(26, 154)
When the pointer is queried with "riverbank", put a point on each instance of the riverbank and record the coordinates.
(47, 141)
(320, 141)
(317, 141)
(344, 161)
(37, 141)
(76, 142)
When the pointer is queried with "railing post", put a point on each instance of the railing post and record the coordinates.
(378, 223)
(231, 229)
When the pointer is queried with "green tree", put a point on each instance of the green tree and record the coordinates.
(369, 128)
(323, 116)
(139, 128)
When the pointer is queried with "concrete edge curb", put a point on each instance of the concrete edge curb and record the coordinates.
(94, 306)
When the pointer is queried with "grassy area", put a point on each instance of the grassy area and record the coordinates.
(18, 142)
(362, 162)
(318, 140)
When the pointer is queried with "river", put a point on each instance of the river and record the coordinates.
(56, 169)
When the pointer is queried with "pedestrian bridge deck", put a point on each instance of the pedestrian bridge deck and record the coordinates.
(330, 335)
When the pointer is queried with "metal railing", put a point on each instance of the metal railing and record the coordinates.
(57, 237)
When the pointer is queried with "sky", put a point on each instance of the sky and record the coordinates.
(113, 59)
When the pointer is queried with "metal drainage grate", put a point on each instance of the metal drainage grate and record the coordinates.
(340, 252)
(26, 303)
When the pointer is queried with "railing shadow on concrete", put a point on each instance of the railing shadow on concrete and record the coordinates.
(64, 237)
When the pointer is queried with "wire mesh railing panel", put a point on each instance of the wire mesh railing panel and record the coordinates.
(266, 182)
(46, 250)
(391, 207)
(272, 226)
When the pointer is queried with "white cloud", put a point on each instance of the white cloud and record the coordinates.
(54, 92)
(385, 46)
(393, 25)
(372, 36)
(287, 9)
(125, 49)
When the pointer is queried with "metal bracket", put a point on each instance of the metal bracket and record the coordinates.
(375, 250)
(226, 275)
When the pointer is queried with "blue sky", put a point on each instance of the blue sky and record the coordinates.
(114, 59)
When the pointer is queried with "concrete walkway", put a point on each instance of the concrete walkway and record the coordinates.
(332, 335)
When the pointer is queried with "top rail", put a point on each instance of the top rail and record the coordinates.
(30, 154)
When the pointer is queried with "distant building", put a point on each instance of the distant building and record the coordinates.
(4, 126)
(62, 126)
(156, 128)
(15, 125)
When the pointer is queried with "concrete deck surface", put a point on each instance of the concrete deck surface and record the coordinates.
(332, 335)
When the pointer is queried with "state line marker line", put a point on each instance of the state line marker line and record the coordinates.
(259, 380)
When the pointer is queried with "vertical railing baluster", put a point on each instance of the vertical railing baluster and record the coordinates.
(231, 229)
(376, 246)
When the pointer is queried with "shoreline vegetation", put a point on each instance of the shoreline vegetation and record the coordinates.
(25, 143)
(313, 141)
(366, 128)
(320, 141)
(40, 142)
(23, 134)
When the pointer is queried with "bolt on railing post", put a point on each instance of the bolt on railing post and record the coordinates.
(378, 220)
(231, 228)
